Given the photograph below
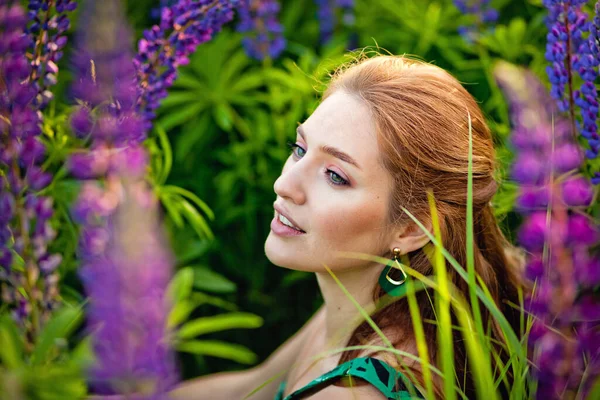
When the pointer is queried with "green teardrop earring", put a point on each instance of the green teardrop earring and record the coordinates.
(391, 286)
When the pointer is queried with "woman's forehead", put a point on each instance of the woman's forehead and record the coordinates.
(344, 121)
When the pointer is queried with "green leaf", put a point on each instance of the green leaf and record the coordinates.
(171, 204)
(196, 220)
(180, 312)
(11, 344)
(179, 98)
(247, 82)
(191, 196)
(219, 349)
(58, 327)
(206, 279)
(178, 117)
(223, 117)
(167, 153)
(181, 285)
(202, 326)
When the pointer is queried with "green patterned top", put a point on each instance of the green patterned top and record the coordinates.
(372, 370)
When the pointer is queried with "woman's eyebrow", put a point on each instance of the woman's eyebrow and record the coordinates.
(335, 152)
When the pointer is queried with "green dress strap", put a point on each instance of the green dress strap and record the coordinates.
(376, 372)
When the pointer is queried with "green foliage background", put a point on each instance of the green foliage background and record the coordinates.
(219, 145)
(228, 118)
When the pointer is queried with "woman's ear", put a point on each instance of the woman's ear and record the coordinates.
(410, 237)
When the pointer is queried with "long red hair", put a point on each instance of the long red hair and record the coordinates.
(421, 113)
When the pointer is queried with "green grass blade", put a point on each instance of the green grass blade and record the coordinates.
(415, 314)
(442, 306)
(513, 341)
(470, 238)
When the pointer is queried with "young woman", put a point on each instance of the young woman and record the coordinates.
(388, 129)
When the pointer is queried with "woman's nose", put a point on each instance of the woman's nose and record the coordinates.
(290, 184)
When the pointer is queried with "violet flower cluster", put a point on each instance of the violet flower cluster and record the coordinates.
(48, 23)
(483, 13)
(264, 34)
(125, 273)
(168, 45)
(29, 281)
(572, 47)
(327, 11)
(559, 238)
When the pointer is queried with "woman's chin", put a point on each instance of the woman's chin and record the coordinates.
(278, 256)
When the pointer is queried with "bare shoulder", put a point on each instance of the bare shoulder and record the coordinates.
(276, 367)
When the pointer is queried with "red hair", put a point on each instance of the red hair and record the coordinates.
(421, 113)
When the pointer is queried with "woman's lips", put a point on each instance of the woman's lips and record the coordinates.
(283, 230)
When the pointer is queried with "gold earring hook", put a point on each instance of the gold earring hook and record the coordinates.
(396, 255)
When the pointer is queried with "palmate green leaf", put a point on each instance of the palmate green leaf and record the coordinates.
(223, 116)
(195, 134)
(232, 69)
(11, 343)
(186, 80)
(220, 349)
(59, 327)
(177, 203)
(171, 204)
(430, 33)
(211, 281)
(203, 298)
(204, 325)
(195, 219)
(190, 196)
(180, 312)
(247, 82)
(181, 115)
(508, 40)
(167, 154)
(179, 98)
(54, 382)
(181, 285)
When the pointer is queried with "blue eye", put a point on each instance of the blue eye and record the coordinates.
(335, 178)
(296, 149)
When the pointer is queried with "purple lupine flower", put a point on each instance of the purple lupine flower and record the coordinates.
(483, 13)
(125, 267)
(156, 12)
(264, 33)
(168, 45)
(327, 11)
(571, 50)
(126, 279)
(559, 241)
(48, 23)
(25, 216)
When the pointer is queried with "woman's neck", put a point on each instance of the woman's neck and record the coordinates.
(341, 313)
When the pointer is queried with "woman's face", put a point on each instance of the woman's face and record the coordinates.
(338, 205)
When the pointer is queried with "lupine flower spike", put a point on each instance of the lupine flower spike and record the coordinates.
(571, 50)
(28, 271)
(48, 24)
(168, 45)
(264, 33)
(483, 13)
(559, 238)
(327, 14)
(125, 268)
